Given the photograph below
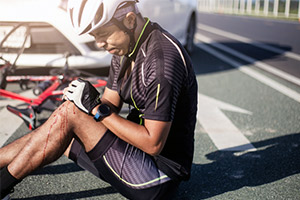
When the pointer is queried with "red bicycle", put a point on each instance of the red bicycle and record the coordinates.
(49, 90)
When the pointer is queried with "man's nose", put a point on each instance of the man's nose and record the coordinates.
(100, 43)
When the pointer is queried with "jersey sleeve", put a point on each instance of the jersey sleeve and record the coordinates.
(113, 73)
(161, 102)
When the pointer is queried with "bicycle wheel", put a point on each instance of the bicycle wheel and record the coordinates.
(3, 75)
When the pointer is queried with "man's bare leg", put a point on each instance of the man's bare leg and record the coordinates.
(50, 141)
(10, 151)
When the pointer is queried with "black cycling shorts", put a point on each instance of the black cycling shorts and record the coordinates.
(128, 169)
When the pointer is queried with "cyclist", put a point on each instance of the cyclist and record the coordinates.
(144, 156)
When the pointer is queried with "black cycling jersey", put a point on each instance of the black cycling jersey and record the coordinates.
(162, 86)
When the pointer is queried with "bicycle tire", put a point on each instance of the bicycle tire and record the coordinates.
(3, 75)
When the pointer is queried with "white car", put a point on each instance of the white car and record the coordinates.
(50, 33)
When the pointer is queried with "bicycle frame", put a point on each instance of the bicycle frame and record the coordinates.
(33, 101)
(51, 91)
(35, 104)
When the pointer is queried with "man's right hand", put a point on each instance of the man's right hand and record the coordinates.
(83, 94)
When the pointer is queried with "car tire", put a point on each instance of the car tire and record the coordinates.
(189, 46)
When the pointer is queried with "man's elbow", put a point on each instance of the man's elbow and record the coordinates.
(155, 150)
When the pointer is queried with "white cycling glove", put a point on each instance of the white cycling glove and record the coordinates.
(83, 94)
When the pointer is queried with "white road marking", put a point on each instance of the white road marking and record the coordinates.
(254, 62)
(9, 122)
(250, 72)
(224, 134)
(248, 41)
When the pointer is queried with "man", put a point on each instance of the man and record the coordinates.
(144, 156)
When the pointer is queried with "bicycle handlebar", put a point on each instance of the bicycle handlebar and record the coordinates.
(6, 61)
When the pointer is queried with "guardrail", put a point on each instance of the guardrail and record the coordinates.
(273, 8)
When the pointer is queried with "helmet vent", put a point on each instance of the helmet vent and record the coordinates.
(71, 15)
(99, 14)
(81, 11)
(87, 29)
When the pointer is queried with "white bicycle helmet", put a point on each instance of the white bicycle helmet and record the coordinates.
(88, 15)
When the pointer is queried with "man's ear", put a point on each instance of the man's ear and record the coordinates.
(130, 20)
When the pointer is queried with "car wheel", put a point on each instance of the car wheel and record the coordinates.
(189, 46)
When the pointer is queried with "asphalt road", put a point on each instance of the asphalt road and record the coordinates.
(247, 139)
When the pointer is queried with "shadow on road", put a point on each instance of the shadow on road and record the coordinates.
(205, 63)
(74, 195)
(275, 159)
(59, 169)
